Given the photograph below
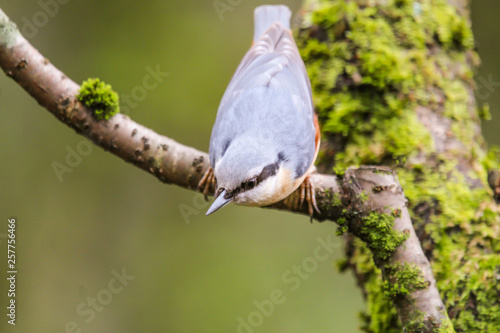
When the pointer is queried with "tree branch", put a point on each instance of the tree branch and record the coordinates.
(374, 200)
(394, 85)
(166, 159)
(364, 199)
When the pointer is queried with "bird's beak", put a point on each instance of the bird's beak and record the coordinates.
(219, 203)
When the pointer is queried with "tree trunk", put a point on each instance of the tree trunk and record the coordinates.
(393, 85)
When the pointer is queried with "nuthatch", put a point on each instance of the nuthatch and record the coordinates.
(266, 135)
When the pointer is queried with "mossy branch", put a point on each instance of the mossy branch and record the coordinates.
(367, 201)
(377, 213)
(393, 85)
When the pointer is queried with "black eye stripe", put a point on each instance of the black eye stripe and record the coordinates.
(268, 171)
(232, 193)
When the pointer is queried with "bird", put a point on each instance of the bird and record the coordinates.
(266, 135)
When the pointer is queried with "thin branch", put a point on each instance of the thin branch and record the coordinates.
(166, 159)
(172, 162)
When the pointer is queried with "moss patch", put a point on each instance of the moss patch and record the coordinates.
(377, 302)
(403, 279)
(419, 323)
(378, 233)
(99, 97)
(374, 69)
(375, 229)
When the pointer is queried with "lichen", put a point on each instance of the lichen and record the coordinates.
(372, 64)
(99, 97)
(9, 33)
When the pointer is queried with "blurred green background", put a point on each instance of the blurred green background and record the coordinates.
(196, 274)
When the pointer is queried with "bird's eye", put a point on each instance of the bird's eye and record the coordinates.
(250, 184)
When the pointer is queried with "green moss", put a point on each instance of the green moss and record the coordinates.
(341, 230)
(416, 324)
(99, 97)
(342, 222)
(403, 279)
(396, 212)
(451, 29)
(377, 302)
(491, 160)
(463, 225)
(419, 323)
(371, 67)
(484, 112)
(377, 54)
(364, 196)
(336, 200)
(342, 264)
(444, 328)
(339, 171)
(331, 199)
(378, 233)
(376, 230)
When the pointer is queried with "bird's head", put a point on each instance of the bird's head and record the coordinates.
(250, 177)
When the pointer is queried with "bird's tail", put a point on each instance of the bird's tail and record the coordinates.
(267, 15)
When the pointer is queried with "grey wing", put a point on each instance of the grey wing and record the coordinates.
(264, 65)
(273, 61)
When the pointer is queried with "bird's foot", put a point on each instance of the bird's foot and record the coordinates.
(308, 193)
(206, 182)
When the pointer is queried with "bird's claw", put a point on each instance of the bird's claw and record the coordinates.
(308, 193)
(206, 182)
